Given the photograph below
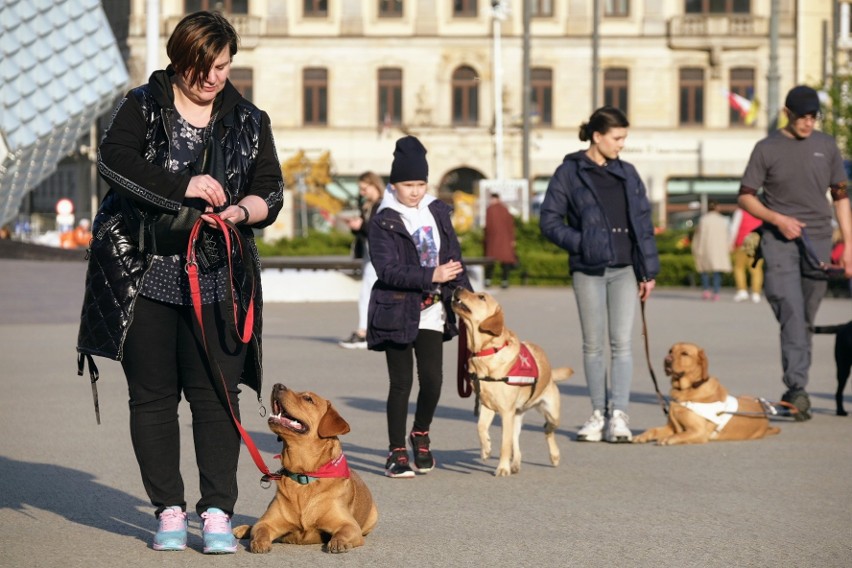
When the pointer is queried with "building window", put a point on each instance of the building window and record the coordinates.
(464, 8)
(465, 97)
(718, 7)
(615, 88)
(241, 79)
(316, 8)
(691, 96)
(390, 8)
(742, 84)
(617, 8)
(541, 84)
(390, 97)
(315, 85)
(542, 8)
(227, 6)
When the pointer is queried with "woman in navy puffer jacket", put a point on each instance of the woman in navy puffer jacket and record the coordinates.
(597, 209)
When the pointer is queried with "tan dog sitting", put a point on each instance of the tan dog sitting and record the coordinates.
(498, 364)
(318, 498)
(701, 409)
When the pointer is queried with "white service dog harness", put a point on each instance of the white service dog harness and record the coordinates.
(719, 413)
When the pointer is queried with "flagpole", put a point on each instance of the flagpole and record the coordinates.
(773, 76)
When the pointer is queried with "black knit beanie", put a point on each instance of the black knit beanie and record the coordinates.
(409, 161)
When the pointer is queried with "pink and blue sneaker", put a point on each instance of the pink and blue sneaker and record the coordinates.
(218, 538)
(171, 533)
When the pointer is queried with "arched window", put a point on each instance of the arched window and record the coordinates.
(465, 97)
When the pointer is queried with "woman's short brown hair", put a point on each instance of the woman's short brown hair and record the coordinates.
(196, 42)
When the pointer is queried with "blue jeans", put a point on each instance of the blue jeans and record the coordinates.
(717, 281)
(607, 301)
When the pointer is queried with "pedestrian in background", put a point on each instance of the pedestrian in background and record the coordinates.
(596, 208)
(710, 250)
(795, 166)
(499, 242)
(744, 240)
(417, 257)
(371, 189)
(138, 307)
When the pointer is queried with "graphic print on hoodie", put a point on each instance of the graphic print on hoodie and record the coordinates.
(427, 248)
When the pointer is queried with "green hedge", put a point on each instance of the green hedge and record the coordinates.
(541, 262)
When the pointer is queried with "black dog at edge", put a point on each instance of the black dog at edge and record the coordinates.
(842, 357)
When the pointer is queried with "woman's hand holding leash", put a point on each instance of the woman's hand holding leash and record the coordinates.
(645, 288)
(207, 188)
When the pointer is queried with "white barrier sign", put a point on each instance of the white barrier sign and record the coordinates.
(514, 193)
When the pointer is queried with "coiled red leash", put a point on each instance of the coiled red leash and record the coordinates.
(242, 332)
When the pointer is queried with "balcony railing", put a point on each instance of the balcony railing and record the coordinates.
(740, 25)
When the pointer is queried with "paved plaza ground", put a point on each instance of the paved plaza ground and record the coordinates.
(70, 493)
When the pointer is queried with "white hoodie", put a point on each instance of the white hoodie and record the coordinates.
(421, 225)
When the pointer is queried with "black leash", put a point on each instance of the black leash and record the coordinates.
(663, 404)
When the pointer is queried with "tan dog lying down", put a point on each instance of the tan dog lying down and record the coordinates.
(496, 355)
(701, 409)
(318, 498)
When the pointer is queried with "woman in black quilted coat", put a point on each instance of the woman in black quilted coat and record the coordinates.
(137, 307)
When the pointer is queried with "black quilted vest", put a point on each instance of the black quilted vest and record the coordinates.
(116, 266)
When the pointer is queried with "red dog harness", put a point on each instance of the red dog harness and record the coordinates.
(524, 371)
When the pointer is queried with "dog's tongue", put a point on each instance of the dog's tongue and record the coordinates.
(287, 422)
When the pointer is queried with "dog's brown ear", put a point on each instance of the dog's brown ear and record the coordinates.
(332, 424)
(702, 361)
(494, 323)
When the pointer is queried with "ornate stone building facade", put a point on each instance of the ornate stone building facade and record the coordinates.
(350, 76)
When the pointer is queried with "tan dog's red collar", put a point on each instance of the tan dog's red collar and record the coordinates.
(489, 351)
(337, 467)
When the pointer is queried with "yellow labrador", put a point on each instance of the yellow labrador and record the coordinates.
(504, 370)
(318, 499)
(701, 409)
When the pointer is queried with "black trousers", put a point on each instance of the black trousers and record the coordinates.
(164, 358)
(429, 350)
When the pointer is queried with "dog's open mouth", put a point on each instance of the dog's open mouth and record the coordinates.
(280, 417)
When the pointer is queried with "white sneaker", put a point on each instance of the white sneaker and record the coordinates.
(741, 296)
(618, 429)
(755, 297)
(592, 430)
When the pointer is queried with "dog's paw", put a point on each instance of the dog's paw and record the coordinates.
(502, 471)
(241, 531)
(336, 546)
(260, 546)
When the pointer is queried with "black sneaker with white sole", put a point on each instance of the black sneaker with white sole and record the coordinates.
(355, 341)
(424, 461)
(397, 464)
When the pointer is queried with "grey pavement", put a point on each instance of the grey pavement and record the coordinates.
(70, 493)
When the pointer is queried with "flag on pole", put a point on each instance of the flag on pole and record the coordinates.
(747, 109)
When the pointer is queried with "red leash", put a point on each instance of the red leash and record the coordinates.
(227, 229)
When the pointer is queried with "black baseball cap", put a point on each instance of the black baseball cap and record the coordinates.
(802, 100)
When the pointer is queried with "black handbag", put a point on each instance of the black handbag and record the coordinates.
(166, 233)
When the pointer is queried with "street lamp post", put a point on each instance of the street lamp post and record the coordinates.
(499, 11)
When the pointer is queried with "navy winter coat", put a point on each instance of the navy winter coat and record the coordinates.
(587, 235)
(394, 312)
